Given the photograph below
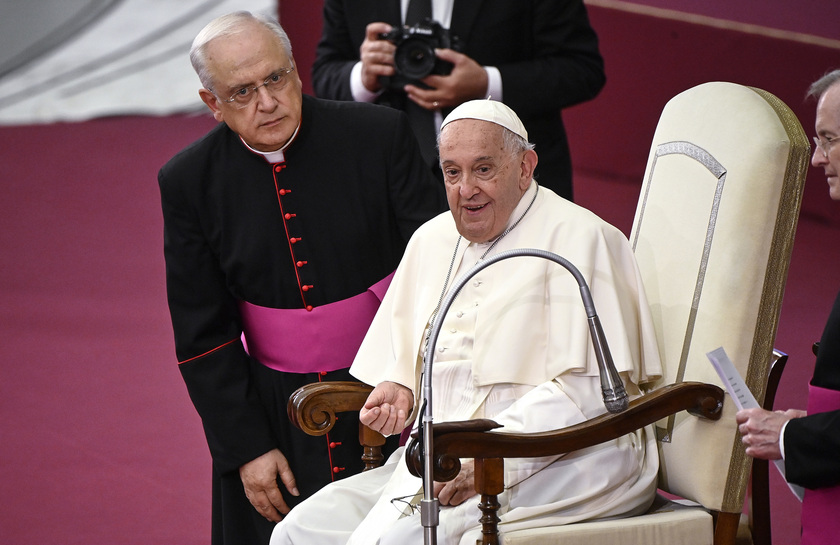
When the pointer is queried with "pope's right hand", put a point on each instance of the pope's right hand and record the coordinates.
(387, 408)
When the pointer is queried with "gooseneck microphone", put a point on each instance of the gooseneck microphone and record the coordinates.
(612, 388)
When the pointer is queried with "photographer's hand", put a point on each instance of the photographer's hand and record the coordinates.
(377, 56)
(467, 81)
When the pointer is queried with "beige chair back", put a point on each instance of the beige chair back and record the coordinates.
(713, 234)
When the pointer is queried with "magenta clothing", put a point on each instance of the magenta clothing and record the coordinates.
(323, 339)
(820, 507)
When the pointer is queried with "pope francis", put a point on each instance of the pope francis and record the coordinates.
(514, 347)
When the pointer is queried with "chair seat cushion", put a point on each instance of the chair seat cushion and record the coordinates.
(669, 523)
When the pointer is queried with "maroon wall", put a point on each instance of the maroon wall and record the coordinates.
(302, 22)
(649, 60)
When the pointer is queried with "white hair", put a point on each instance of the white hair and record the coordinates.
(227, 25)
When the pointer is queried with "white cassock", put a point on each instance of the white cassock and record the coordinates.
(514, 347)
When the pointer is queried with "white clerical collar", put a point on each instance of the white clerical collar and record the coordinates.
(276, 156)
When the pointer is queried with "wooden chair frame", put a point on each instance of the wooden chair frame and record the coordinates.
(313, 409)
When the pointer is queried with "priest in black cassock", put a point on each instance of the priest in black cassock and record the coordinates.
(282, 227)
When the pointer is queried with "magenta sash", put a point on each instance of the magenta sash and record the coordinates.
(820, 508)
(303, 341)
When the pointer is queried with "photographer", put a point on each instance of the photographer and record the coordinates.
(537, 56)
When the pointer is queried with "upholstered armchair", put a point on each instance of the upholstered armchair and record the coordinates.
(713, 234)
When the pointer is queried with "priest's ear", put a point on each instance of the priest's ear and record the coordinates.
(212, 102)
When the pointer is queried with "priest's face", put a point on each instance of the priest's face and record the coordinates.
(827, 153)
(484, 180)
(239, 62)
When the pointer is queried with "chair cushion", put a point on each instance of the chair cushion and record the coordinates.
(669, 523)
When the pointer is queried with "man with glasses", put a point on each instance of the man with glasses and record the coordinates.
(809, 441)
(282, 227)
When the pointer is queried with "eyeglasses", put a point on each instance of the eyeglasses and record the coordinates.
(273, 83)
(407, 505)
(825, 145)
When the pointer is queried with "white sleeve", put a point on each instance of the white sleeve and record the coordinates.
(357, 89)
(494, 83)
(782, 439)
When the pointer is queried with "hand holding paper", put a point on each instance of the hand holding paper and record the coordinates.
(743, 399)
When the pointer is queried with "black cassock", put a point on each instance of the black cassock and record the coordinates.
(812, 443)
(325, 225)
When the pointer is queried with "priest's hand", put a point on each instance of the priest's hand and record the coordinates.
(760, 431)
(259, 477)
(387, 408)
(459, 489)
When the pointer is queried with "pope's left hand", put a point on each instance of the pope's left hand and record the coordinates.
(459, 489)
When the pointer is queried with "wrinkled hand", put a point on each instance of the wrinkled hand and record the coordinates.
(760, 430)
(467, 81)
(377, 56)
(459, 489)
(259, 477)
(387, 408)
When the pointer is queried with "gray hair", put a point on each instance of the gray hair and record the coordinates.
(228, 25)
(514, 143)
(830, 79)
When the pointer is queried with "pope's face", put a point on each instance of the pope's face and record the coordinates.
(484, 181)
(245, 60)
(828, 128)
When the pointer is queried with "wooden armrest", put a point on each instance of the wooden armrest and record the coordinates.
(479, 425)
(445, 469)
(702, 400)
(312, 407)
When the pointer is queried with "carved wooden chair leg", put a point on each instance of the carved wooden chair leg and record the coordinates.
(372, 442)
(489, 482)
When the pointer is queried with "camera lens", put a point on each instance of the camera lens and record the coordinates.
(414, 58)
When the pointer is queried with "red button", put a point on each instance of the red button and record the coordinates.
(335, 444)
(309, 308)
(290, 216)
(284, 191)
(307, 288)
(338, 469)
(294, 240)
(301, 263)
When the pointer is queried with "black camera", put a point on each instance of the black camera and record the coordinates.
(414, 58)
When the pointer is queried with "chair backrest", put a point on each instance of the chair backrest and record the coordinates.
(713, 234)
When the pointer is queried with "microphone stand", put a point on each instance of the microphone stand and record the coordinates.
(612, 388)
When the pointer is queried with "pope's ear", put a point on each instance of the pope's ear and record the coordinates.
(212, 102)
(529, 164)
